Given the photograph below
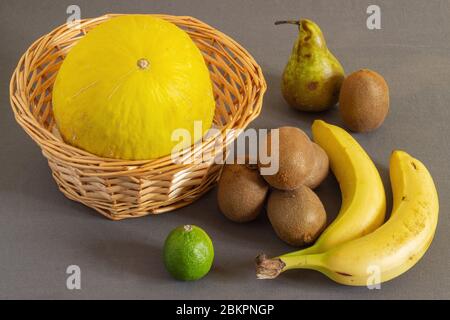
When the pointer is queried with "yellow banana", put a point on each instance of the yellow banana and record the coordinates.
(390, 250)
(363, 198)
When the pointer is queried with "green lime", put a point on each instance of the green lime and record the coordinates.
(188, 253)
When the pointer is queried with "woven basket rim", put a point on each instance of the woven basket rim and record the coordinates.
(55, 146)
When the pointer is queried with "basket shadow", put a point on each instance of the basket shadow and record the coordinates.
(137, 258)
(27, 179)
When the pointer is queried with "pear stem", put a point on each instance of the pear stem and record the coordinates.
(296, 22)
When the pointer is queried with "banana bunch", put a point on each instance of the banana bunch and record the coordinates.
(357, 249)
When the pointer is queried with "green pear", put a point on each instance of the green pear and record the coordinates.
(313, 76)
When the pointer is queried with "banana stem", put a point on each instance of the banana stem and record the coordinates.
(270, 268)
(297, 22)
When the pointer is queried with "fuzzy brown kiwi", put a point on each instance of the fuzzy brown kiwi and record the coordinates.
(320, 169)
(364, 100)
(295, 158)
(241, 192)
(297, 216)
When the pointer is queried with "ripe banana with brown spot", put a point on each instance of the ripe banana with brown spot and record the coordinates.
(390, 250)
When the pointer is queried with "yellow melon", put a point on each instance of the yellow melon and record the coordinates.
(128, 84)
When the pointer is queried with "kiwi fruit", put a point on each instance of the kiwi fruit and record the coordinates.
(364, 100)
(320, 168)
(295, 158)
(297, 216)
(241, 192)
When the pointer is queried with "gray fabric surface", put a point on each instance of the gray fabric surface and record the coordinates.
(42, 232)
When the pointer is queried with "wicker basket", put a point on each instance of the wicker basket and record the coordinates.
(123, 189)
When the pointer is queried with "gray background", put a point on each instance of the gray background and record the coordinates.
(42, 232)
